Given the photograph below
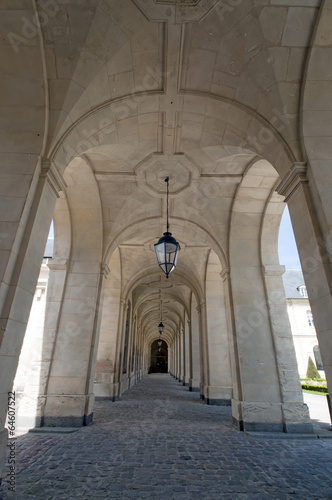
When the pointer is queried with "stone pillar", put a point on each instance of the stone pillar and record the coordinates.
(194, 381)
(173, 358)
(219, 389)
(26, 236)
(32, 369)
(133, 358)
(170, 360)
(314, 256)
(69, 396)
(203, 348)
(177, 361)
(187, 353)
(257, 398)
(232, 340)
(105, 368)
(137, 353)
(190, 355)
(55, 294)
(295, 413)
(183, 343)
(119, 349)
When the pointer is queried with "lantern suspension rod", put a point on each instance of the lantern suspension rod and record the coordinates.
(167, 224)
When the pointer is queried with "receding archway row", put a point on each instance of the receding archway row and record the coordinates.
(220, 377)
(80, 304)
(104, 206)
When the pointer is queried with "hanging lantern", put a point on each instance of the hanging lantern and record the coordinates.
(167, 248)
(159, 343)
(161, 325)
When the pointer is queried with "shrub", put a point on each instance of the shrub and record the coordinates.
(315, 388)
(312, 370)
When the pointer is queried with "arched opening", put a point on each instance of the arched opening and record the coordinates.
(159, 357)
(232, 120)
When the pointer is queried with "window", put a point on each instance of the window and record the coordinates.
(303, 291)
(318, 358)
(310, 318)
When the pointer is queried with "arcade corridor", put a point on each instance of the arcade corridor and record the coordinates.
(161, 441)
(102, 101)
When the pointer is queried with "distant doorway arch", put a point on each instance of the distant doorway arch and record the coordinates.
(159, 357)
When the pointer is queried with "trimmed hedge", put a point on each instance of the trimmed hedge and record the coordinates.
(316, 388)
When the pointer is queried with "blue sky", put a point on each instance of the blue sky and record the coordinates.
(288, 255)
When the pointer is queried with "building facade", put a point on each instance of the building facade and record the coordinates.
(302, 323)
(102, 100)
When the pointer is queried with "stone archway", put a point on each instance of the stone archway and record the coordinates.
(143, 89)
(159, 357)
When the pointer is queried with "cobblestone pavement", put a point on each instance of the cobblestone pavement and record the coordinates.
(161, 442)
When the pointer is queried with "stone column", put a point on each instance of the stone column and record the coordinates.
(190, 355)
(169, 359)
(257, 398)
(55, 296)
(22, 249)
(314, 256)
(183, 343)
(232, 340)
(133, 362)
(31, 372)
(178, 356)
(219, 389)
(194, 381)
(105, 368)
(173, 358)
(69, 394)
(119, 349)
(203, 348)
(295, 413)
(187, 353)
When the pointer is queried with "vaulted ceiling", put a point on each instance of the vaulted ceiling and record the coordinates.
(137, 90)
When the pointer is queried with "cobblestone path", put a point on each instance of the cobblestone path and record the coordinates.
(161, 442)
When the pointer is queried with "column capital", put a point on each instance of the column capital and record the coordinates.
(292, 180)
(225, 273)
(274, 270)
(53, 176)
(58, 264)
(200, 306)
(104, 269)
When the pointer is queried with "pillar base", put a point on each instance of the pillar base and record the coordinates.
(296, 418)
(67, 421)
(193, 385)
(271, 417)
(217, 395)
(106, 390)
(68, 411)
(218, 402)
